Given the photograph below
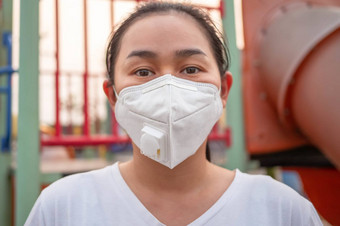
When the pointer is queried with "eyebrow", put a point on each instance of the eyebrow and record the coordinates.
(178, 53)
(142, 54)
(189, 52)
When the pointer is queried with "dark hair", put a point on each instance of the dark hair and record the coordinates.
(214, 36)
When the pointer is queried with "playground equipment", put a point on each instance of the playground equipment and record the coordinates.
(7, 90)
(291, 92)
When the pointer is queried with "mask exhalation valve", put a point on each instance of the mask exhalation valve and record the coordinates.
(152, 143)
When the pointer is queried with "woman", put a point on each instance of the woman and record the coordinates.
(168, 82)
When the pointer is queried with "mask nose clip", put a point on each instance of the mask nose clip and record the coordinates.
(152, 143)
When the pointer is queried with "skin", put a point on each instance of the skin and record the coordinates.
(150, 48)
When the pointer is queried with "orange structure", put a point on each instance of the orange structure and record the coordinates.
(291, 91)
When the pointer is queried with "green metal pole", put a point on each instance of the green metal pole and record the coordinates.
(27, 172)
(236, 154)
(5, 158)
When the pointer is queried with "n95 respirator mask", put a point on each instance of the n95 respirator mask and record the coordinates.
(168, 118)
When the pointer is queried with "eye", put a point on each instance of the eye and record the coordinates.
(144, 72)
(191, 70)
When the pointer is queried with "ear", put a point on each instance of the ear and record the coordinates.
(226, 82)
(110, 94)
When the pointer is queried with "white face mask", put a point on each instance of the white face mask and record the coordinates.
(169, 118)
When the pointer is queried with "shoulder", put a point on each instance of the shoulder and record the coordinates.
(70, 191)
(262, 184)
(271, 196)
(83, 197)
(71, 184)
(265, 188)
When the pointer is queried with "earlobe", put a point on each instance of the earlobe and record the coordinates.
(108, 90)
(226, 82)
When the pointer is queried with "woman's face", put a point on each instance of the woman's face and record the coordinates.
(161, 44)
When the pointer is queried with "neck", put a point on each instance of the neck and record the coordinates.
(146, 172)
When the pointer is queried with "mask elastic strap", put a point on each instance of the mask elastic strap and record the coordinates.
(116, 94)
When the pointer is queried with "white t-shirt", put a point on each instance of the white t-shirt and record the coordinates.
(102, 197)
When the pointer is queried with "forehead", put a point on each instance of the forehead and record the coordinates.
(170, 29)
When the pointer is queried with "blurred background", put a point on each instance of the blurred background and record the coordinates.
(282, 118)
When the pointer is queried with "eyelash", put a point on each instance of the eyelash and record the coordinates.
(197, 70)
(143, 70)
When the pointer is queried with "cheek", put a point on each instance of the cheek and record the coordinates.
(121, 82)
(217, 82)
(216, 79)
(213, 78)
(213, 74)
